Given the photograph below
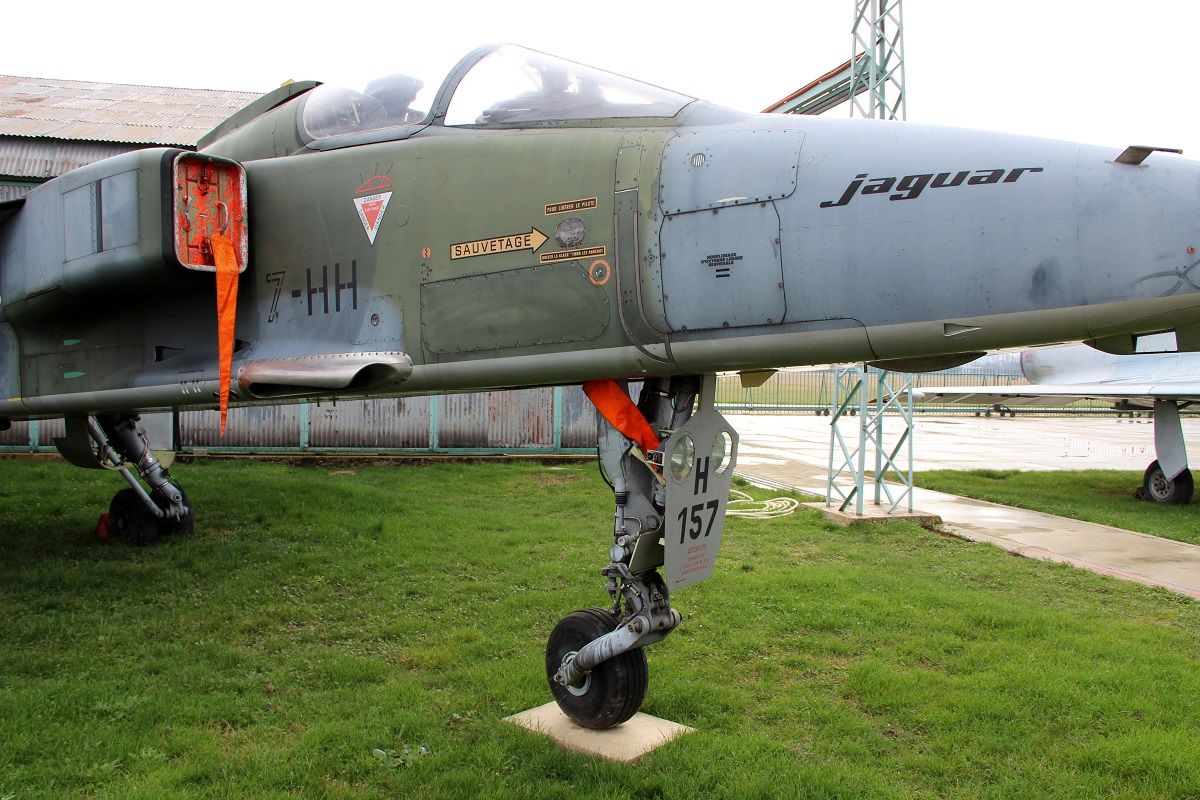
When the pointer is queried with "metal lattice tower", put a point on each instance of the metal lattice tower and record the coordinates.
(847, 479)
(877, 80)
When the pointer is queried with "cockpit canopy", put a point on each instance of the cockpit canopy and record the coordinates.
(504, 86)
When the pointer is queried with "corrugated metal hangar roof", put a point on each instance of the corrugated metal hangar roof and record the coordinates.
(41, 159)
(112, 112)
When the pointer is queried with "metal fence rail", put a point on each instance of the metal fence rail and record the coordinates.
(531, 421)
(811, 391)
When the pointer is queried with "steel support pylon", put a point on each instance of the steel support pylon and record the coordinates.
(870, 395)
(877, 78)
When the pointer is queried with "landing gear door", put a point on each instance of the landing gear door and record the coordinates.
(700, 457)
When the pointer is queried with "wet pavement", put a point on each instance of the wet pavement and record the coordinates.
(792, 451)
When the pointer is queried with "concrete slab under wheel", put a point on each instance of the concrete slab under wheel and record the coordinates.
(626, 742)
(873, 513)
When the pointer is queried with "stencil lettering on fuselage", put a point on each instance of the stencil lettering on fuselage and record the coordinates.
(319, 292)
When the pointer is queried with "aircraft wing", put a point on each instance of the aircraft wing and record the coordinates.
(10, 207)
(1125, 394)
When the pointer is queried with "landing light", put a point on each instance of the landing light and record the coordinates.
(720, 452)
(683, 453)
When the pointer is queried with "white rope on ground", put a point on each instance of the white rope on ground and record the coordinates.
(743, 505)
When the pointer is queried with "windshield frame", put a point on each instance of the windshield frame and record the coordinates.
(436, 115)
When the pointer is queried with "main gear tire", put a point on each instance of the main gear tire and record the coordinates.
(1175, 492)
(128, 518)
(184, 526)
(612, 692)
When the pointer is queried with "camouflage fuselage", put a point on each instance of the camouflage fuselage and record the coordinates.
(499, 256)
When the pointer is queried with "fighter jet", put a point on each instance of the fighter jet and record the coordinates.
(531, 221)
(1157, 378)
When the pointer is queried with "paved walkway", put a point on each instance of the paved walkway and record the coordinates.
(793, 451)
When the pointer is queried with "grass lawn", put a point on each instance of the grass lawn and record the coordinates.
(322, 613)
(1096, 495)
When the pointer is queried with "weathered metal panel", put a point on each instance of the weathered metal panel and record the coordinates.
(49, 430)
(578, 418)
(251, 426)
(716, 169)
(476, 312)
(16, 436)
(371, 424)
(63, 109)
(710, 283)
(522, 418)
(515, 419)
(19, 436)
(11, 191)
(39, 158)
(462, 420)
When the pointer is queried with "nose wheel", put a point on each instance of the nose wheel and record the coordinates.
(607, 695)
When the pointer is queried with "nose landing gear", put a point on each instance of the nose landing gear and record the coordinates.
(595, 658)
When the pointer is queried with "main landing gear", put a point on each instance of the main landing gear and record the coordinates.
(153, 505)
(1174, 491)
(1168, 479)
(595, 661)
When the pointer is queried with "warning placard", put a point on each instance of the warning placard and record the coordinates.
(572, 255)
(583, 204)
(370, 212)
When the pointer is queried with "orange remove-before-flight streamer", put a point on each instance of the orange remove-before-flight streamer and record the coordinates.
(615, 406)
(227, 286)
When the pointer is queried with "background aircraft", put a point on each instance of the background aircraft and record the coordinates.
(1157, 378)
(531, 221)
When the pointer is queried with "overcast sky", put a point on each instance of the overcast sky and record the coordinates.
(1102, 72)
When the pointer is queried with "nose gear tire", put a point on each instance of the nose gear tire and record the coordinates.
(612, 692)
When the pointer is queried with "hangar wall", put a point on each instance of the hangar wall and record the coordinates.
(528, 421)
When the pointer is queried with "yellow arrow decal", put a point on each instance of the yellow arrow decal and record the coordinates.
(499, 244)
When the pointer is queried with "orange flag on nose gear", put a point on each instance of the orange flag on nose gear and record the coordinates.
(227, 286)
(615, 406)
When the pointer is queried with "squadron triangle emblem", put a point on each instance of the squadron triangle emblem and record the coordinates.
(371, 207)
